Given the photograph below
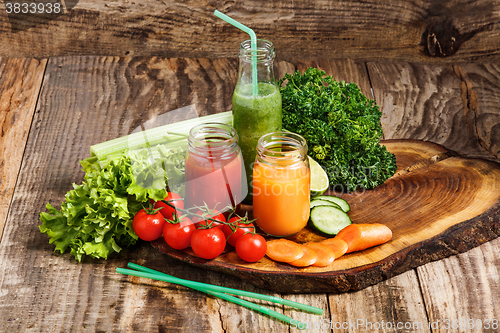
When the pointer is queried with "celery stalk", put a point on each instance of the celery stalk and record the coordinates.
(172, 136)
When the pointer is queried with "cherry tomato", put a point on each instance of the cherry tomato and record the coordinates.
(213, 214)
(241, 228)
(251, 248)
(175, 200)
(148, 226)
(208, 243)
(178, 236)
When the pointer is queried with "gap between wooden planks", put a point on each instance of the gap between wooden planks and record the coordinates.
(20, 84)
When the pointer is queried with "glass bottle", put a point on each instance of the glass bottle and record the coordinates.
(215, 176)
(255, 114)
(281, 184)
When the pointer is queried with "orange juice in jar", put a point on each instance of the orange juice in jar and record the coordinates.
(281, 184)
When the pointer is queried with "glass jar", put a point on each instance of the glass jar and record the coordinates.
(255, 114)
(281, 184)
(215, 176)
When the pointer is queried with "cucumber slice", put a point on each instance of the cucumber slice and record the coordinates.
(317, 202)
(341, 202)
(329, 220)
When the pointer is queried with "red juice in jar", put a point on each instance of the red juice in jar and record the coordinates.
(214, 169)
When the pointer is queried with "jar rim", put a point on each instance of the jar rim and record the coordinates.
(295, 144)
(212, 136)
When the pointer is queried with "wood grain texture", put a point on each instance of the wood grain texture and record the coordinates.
(235, 318)
(481, 98)
(457, 30)
(425, 102)
(309, 322)
(385, 307)
(85, 100)
(463, 291)
(20, 83)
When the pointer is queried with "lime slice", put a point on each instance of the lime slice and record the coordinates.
(319, 178)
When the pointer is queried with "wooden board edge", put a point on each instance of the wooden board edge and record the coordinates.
(475, 231)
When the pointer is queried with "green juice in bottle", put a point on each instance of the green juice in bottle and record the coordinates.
(255, 114)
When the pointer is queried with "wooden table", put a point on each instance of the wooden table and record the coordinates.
(52, 110)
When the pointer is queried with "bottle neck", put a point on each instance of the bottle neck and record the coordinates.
(264, 57)
(213, 141)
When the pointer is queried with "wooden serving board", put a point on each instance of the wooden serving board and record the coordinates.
(437, 204)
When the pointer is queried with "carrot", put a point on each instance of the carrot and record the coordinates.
(284, 250)
(325, 254)
(307, 259)
(337, 245)
(362, 236)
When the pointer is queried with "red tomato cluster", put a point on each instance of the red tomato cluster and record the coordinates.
(249, 246)
(206, 237)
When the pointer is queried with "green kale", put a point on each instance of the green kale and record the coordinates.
(342, 128)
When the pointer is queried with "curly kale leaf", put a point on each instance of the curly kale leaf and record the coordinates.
(342, 128)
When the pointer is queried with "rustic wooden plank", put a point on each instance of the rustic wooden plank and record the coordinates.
(462, 292)
(395, 305)
(85, 100)
(457, 30)
(235, 318)
(142, 305)
(441, 104)
(310, 322)
(436, 205)
(424, 102)
(20, 83)
(481, 98)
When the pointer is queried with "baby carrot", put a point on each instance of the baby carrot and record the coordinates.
(362, 236)
(325, 254)
(284, 250)
(307, 259)
(337, 245)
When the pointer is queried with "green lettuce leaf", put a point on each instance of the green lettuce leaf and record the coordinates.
(96, 217)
